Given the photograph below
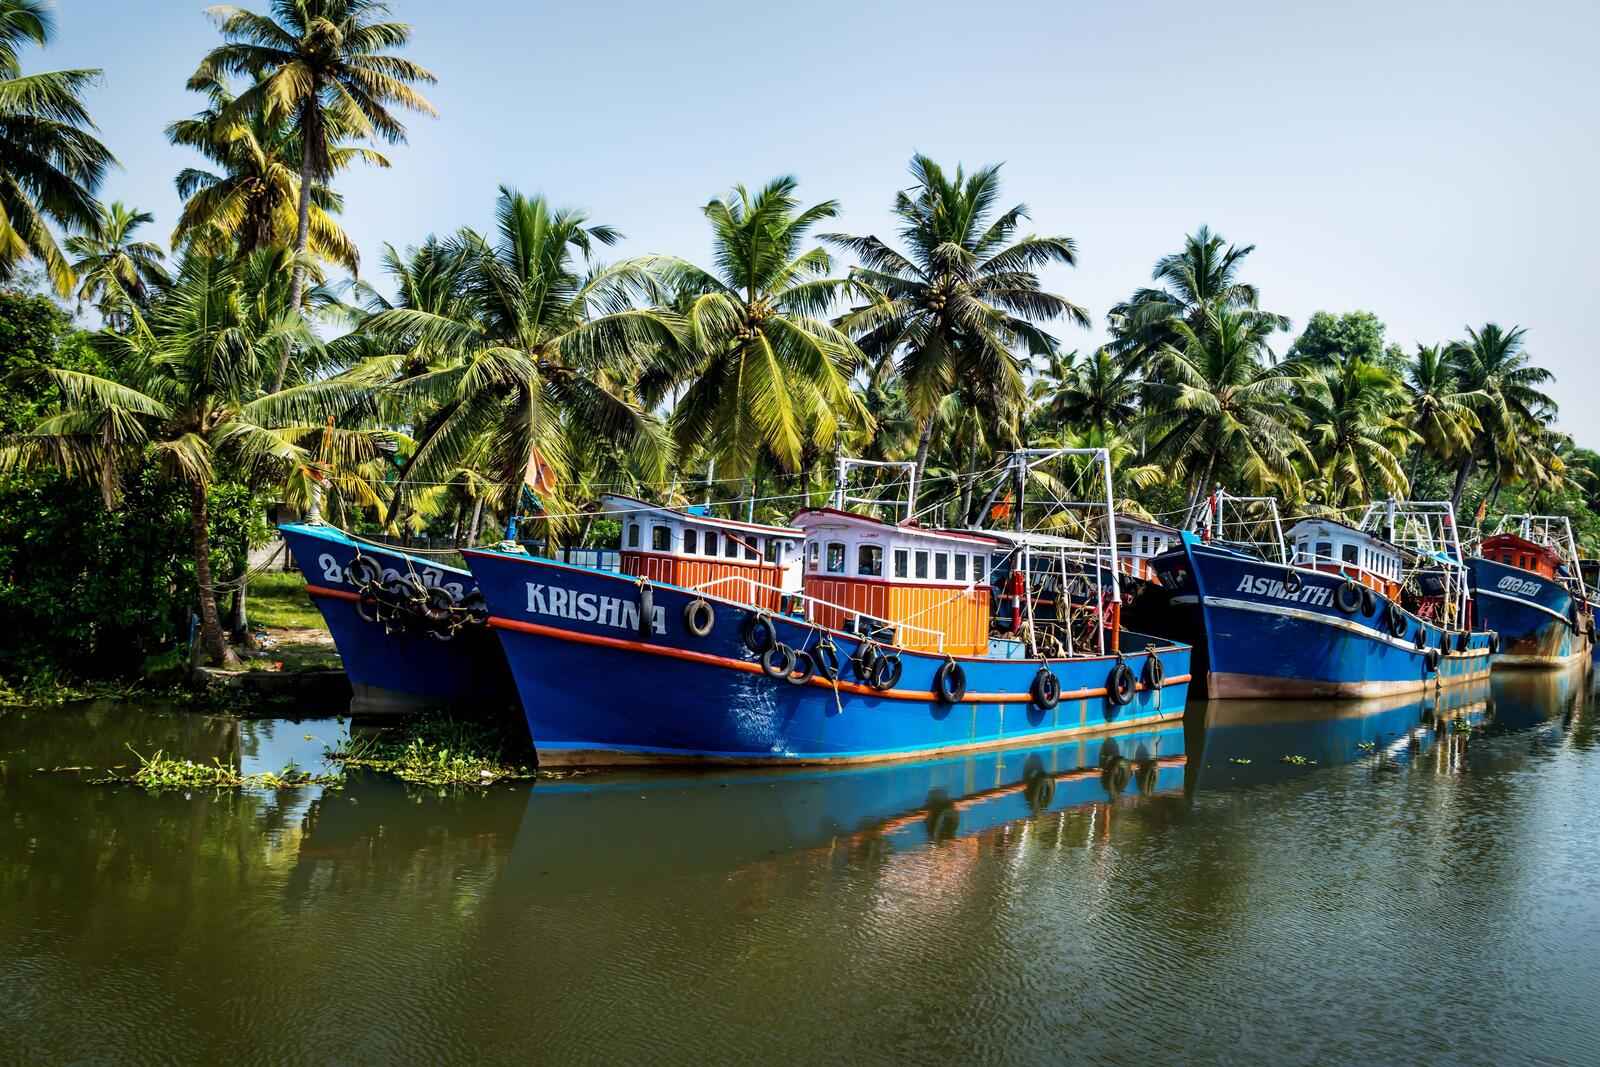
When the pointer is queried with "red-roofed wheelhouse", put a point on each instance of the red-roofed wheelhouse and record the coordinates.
(1519, 552)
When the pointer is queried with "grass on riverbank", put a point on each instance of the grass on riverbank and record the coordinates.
(297, 637)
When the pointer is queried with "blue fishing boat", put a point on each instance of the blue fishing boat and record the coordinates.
(886, 652)
(410, 631)
(1527, 586)
(1325, 609)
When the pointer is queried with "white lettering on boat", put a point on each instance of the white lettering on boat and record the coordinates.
(612, 611)
(1272, 587)
(431, 578)
(1512, 584)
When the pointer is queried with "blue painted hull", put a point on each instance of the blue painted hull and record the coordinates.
(595, 692)
(1533, 614)
(405, 671)
(1266, 641)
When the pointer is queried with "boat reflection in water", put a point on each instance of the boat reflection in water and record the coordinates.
(1240, 743)
(610, 827)
(1521, 700)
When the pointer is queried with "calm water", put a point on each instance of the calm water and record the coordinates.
(1415, 890)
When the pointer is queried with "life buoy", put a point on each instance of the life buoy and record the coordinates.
(826, 660)
(1292, 582)
(647, 609)
(1155, 672)
(1121, 685)
(363, 570)
(886, 672)
(1347, 598)
(950, 682)
(759, 634)
(1046, 689)
(778, 661)
(805, 668)
(1397, 621)
(476, 608)
(698, 617)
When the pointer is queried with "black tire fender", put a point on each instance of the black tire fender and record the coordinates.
(1046, 689)
(886, 672)
(1347, 598)
(1397, 620)
(1292, 583)
(759, 634)
(826, 660)
(647, 609)
(1369, 601)
(805, 669)
(699, 617)
(950, 682)
(363, 570)
(438, 605)
(476, 608)
(1120, 686)
(866, 661)
(778, 661)
(1430, 660)
(1155, 672)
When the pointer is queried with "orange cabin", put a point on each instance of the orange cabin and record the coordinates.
(746, 562)
(1519, 552)
(931, 587)
(1334, 548)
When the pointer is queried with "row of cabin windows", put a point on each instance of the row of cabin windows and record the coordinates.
(921, 563)
(1523, 560)
(1150, 544)
(710, 544)
(1367, 559)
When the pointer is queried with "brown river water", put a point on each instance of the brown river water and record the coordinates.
(1404, 881)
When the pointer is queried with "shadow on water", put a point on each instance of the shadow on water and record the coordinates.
(1185, 887)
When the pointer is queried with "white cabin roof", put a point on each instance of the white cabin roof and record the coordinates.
(616, 504)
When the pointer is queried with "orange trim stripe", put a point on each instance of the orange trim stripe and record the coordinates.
(336, 594)
(755, 668)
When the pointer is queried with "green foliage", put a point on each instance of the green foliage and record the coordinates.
(35, 334)
(1341, 340)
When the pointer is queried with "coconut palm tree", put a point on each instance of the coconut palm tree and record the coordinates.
(251, 200)
(761, 369)
(50, 162)
(1202, 278)
(1492, 364)
(190, 404)
(1219, 400)
(541, 354)
(114, 269)
(329, 65)
(1355, 429)
(962, 299)
(1442, 415)
(1100, 392)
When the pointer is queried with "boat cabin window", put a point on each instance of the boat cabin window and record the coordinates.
(691, 541)
(922, 564)
(1349, 553)
(633, 535)
(711, 542)
(660, 539)
(941, 567)
(902, 563)
(1324, 550)
(750, 552)
(730, 546)
(869, 561)
(773, 546)
(961, 566)
(835, 557)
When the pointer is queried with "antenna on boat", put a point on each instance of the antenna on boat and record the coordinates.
(841, 484)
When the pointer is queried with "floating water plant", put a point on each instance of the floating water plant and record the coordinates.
(1298, 761)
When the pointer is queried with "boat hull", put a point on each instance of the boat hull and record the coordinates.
(1264, 640)
(1534, 615)
(399, 672)
(597, 692)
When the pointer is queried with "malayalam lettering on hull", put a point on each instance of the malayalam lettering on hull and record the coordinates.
(612, 611)
(1519, 586)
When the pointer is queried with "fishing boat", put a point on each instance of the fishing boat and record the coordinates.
(1325, 609)
(410, 631)
(1527, 586)
(884, 653)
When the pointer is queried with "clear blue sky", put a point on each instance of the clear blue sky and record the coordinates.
(1432, 162)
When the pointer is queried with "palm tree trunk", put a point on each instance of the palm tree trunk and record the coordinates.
(302, 238)
(210, 623)
(966, 485)
(1204, 485)
(1461, 480)
(922, 455)
(477, 520)
(1411, 476)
